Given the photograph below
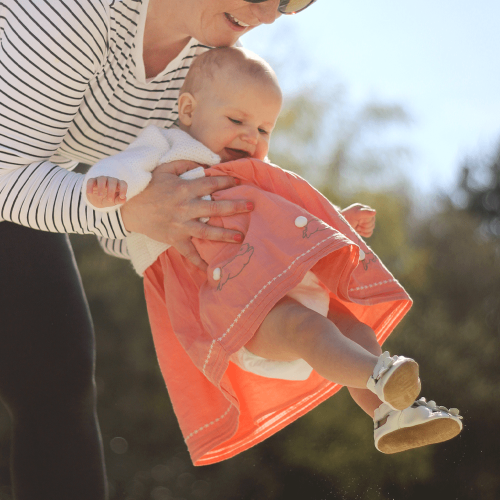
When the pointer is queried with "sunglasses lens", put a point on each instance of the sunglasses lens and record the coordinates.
(288, 6)
(293, 6)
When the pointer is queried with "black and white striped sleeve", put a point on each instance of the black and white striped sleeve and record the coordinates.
(115, 248)
(49, 51)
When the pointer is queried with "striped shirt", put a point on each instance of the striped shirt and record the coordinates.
(73, 89)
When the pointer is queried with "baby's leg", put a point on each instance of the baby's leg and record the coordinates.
(291, 331)
(344, 350)
(363, 335)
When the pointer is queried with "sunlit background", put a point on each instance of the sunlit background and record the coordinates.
(435, 59)
(393, 104)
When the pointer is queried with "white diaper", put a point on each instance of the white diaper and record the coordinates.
(311, 293)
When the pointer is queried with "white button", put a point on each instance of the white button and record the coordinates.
(300, 221)
(216, 274)
(361, 255)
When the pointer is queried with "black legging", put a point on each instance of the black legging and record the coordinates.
(47, 356)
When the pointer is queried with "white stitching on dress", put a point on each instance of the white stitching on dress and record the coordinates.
(372, 285)
(256, 295)
(206, 426)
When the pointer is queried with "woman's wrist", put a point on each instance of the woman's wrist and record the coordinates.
(126, 216)
(122, 221)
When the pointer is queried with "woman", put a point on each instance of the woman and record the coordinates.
(78, 81)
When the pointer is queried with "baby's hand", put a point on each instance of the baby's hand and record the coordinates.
(105, 192)
(361, 218)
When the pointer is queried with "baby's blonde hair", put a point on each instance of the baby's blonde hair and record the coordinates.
(241, 62)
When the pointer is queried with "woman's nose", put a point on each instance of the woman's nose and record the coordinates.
(267, 12)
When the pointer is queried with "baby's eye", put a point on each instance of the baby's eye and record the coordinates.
(237, 122)
(263, 132)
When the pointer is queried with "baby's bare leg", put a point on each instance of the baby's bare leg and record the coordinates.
(291, 331)
(363, 335)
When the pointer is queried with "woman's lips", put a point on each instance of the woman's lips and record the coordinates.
(233, 22)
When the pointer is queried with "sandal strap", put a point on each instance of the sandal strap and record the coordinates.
(381, 413)
(454, 412)
(384, 363)
(384, 410)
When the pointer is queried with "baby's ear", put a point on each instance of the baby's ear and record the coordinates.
(187, 104)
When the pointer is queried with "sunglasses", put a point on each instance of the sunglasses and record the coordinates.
(289, 6)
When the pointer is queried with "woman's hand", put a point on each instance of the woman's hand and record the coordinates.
(169, 208)
(361, 218)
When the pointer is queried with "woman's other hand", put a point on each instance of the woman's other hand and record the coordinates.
(169, 209)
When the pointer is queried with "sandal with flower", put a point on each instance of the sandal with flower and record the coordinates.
(395, 381)
(421, 424)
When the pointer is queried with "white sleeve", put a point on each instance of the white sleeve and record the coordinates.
(152, 147)
(133, 165)
(49, 51)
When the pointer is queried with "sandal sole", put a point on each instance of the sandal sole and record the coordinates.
(408, 438)
(402, 389)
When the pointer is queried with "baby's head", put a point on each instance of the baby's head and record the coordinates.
(230, 102)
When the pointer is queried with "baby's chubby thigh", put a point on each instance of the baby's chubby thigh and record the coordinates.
(352, 328)
(285, 330)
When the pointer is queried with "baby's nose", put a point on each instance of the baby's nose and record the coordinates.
(251, 136)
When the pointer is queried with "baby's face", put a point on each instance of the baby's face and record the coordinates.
(235, 117)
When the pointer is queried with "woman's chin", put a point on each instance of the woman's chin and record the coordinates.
(225, 36)
(221, 39)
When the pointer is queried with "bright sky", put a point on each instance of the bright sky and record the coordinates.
(437, 58)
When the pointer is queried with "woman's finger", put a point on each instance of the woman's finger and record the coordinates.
(219, 208)
(188, 250)
(207, 185)
(176, 167)
(169, 208)
(207, 232)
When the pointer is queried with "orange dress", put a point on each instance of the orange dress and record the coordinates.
(198, 322)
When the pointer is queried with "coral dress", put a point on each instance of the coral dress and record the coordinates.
(200, 322)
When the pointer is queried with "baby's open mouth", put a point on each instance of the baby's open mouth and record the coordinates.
(237, 153)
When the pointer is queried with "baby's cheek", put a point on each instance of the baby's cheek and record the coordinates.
(261, 153)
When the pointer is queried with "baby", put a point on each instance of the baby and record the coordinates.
(282, 321)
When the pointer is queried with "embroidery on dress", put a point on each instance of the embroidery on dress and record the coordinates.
(369, 257)
(312, 227)
(236, 265)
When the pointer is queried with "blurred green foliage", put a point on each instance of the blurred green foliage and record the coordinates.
(449, 260)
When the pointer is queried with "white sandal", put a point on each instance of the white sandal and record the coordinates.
(421, 424)
(395, 381)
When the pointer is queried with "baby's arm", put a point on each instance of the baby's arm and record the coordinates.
(361, 218)
(105, 192)
(136, 163)
(133, 165)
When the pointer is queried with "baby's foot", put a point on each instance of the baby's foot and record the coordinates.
(395, 381)
(421, 424)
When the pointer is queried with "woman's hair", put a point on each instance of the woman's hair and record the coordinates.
(239, 62)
